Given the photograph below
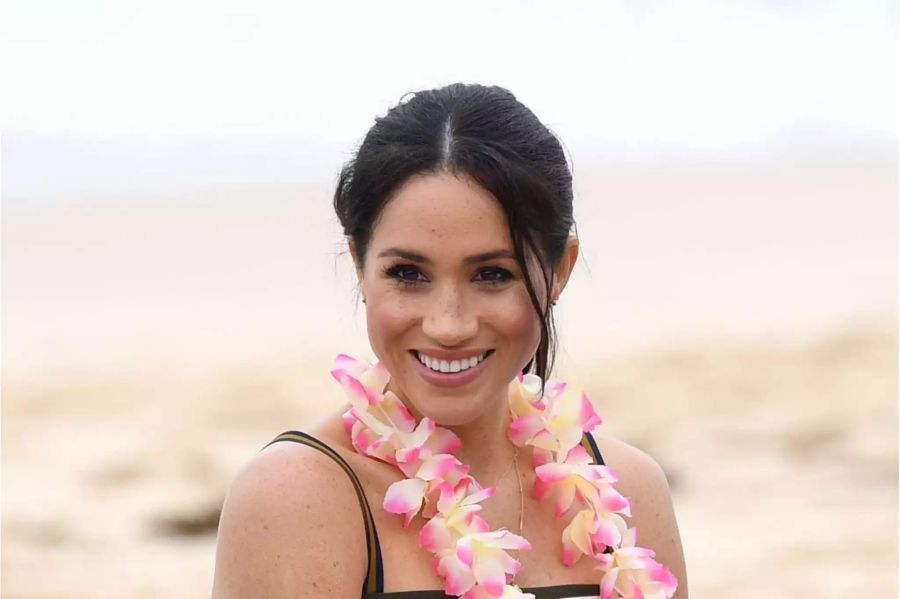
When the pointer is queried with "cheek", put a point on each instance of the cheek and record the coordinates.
(515, 319)
(388, 316)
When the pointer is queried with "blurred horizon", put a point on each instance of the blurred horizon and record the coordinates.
(230, 248)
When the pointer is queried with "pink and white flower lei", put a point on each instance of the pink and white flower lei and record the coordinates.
(472, 558)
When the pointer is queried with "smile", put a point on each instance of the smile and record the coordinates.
(450, 373)
(446, 366)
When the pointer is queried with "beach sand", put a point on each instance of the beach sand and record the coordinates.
(782, 458)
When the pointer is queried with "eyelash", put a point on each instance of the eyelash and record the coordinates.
(395, 272)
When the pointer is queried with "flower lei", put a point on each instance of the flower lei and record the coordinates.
(470, 557)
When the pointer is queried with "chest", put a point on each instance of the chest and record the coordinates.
(408, 567)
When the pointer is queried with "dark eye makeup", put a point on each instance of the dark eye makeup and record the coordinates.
(494, 274)
(409, 275)
(404, 274)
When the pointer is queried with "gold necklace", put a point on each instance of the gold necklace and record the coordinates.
(521, 500)
(515, 462)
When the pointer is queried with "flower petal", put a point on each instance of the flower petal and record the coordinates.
(489, 573)
(405, 496)
(608, 584)
(565, 496)
(458, 578)
(443, 440)
(435, 536)
(553, 472)
(576, 537)
(524, 428)
(436, 466)
(588, 416)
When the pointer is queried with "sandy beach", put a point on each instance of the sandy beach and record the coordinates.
(782, 460)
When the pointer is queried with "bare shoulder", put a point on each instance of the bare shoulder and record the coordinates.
(636, 468)
(291, 526)
(644, 482)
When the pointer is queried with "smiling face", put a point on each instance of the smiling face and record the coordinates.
(442, 286)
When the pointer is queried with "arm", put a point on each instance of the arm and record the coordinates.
(291, 527)
(644, 482)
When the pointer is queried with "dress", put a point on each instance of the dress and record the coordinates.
(373, 586)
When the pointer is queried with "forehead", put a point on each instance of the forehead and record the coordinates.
(441, 211)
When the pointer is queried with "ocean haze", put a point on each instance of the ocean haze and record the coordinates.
(219, 246)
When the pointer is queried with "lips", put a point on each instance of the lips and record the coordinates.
(450, 379)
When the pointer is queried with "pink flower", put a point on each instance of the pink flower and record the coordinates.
(571, 414)
(459, 503)
(485, 553)
(470, 557)
(553, 422)
(632, 573)
(578, 477)
(373, 376)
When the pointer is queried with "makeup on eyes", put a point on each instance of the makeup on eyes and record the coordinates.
(409, 275)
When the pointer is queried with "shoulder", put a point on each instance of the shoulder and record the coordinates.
(644, 482)
(291, 526)
(636, 468)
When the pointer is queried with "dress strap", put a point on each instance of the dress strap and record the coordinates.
(590, 445)
(374, 582)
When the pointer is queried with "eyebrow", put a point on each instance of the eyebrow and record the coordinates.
(416, 257)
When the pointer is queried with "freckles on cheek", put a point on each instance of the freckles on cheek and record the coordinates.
(388, 321)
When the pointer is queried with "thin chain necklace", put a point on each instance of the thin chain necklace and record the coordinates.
(502, 477)
(521, 502)
(521, 494)
(513, 462)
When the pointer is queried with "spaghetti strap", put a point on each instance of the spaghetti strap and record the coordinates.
(374, 582)
(590, 445)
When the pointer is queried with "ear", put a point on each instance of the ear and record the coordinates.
(565, 266)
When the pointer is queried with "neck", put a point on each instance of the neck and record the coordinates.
(486, 449)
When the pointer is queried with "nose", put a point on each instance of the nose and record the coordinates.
(449, 321)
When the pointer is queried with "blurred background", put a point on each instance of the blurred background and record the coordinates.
(175, 283)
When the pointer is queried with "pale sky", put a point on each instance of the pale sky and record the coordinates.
(651, 75)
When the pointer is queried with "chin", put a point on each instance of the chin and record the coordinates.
(447, 407)
(449, 415)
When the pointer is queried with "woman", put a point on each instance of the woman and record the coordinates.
(458, 212)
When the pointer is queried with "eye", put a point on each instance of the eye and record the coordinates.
(405, 274)
(494, 275)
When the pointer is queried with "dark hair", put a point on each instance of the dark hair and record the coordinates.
(485, 133)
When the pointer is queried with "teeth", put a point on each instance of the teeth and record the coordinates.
(451, 365)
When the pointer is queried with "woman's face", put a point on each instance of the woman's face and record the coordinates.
(447, 309)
